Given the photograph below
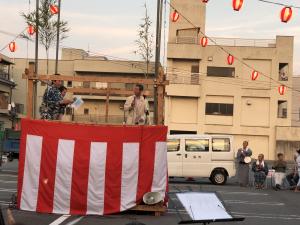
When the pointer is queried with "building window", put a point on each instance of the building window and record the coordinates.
(221, 145)
(197, 145)
(19, 108)
(86, 84)
(213, 71)
(195, 74)
(69, 84)
(219, 109)
(86, 112)
(1, 125)
(173, 145)
(282, 109)
(129, 86)
(4, 96)
(187, 36)
(283, 71)
(69, 111)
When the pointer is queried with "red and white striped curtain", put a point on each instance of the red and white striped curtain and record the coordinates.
(89, 169)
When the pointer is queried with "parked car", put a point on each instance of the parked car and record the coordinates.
(206, 156)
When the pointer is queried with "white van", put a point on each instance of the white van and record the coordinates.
(210, 156)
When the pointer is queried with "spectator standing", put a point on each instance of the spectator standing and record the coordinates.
(280, 168)
(297, 157)
(260, 169)
(243, 167)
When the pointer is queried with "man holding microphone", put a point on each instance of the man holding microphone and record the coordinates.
(137, 107)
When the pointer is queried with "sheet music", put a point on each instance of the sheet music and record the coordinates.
(203, 206)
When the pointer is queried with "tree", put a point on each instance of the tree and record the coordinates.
(47, 26)
(145, 40)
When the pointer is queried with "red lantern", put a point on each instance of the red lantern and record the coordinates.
(237, 4)
(53, 9)
(286, 14)
(204, 41)
(205, 1)
(254, 75)
(281, 89)
(30, 30)
(175, 16)
(230, 59)
(12, 46)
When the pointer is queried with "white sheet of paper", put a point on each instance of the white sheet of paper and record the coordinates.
(203, 206)
(78, 102)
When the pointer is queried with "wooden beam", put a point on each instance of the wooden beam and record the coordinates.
(94, 91)
(95, 79)
(160, 98)
(29, 109)
(107, 102)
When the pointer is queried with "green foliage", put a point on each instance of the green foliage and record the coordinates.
(47, 24)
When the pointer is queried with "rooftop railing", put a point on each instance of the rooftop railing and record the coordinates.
(235, 42)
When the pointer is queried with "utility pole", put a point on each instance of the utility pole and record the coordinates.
(57, 37)
(157, 54)
(36, 65)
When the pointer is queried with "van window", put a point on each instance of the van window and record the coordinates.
(197, 145)
(173, 145)
(221, 145)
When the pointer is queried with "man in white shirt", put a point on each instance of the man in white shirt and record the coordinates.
(137, 107)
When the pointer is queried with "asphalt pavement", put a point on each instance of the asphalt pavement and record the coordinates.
(263, 207)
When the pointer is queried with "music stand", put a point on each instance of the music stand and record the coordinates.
(204, 208)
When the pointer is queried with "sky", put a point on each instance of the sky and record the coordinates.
(110, 27)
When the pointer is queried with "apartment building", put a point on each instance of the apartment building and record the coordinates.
(206, 95)
(77, 62)
(6, 86)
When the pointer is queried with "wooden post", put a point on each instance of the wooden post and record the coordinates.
(107, 102)
(160, 98)
(30, 72)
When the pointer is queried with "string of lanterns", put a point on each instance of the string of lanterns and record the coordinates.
(12, 46)
(286, 14)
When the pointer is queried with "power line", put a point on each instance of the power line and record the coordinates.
(278, 3)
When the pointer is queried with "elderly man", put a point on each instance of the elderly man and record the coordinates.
(137, 107)
(243, 168)
(260, 169)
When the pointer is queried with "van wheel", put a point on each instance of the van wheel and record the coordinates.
(218, 177)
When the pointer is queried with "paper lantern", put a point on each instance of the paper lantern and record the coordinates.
(204, 41)
(175, 16)
(281, 89)
(30, 30)
(237, 4)
(12, 46)
(286, 14)
(53, 9)
(230, 59)
(254, 75)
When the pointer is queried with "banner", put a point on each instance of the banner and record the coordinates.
(89, 169)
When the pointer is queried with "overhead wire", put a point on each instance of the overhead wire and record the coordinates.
(280, 4)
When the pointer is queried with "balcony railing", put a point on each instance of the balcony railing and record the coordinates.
(4, 76)
(236, 42)
(100, 119)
